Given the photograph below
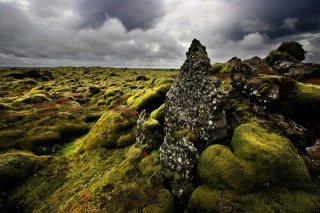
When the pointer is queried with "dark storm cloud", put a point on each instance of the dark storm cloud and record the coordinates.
(132, 13)
(279, 18)
(13, 22)
(150, 32)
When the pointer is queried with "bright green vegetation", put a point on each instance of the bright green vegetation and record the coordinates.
(306, 94)
(75, 116)
(263, 171)
(152, 96)
(221, 68)
(119, 180)
(68, 144)
(113, 129)
(270, 200)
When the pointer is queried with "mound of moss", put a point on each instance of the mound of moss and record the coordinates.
(259, 159)
(294, 49)
(16, 166)
(113, 129)
(276, 55)
(221, 68)
(277, 199)
(260, 167)
(152, 96)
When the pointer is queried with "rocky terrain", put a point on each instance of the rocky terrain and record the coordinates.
(240, 136)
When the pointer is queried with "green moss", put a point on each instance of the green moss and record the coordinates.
(127, 139)
(67, 129)
(275, 159)
(226, 84)
(205, 199)
(17, 165)
(187, 134)
(151, 97)
(221, 169)
(276, 55)
(158, 114)
(221, 68)
(10, 139)
(164, 203)
(306, 94)
(259, 159)
(108, 130)
(33, 99)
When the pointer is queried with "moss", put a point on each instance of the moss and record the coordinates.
(275, 159)
(306, 94)
(152, 96)
(259, 160)
(108, 130)
(10, 139)
(205, 199)
(158, 114)
(227, 85)
(221, 68)
(4, 106)
(294, 49)
(15, 166)
(187, 134)
(33, 99)
(127, 139)
(68, 129)
(276, 55)
(164, 203)
(219, 168)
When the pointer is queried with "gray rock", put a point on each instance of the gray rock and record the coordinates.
(194, 103)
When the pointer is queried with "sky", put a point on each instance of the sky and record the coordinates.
(151, 33)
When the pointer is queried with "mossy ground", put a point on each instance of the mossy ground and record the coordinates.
(85, 118)
(61, 117)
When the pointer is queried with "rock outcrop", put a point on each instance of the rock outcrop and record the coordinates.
(194, 102)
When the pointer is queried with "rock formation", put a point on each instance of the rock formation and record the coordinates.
(194, 102)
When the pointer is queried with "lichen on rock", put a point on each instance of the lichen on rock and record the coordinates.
(195, 101)
(193, 104)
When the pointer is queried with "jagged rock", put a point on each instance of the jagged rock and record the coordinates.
(313, 154)
(260, 89)
(301, 71)
(194, 102)
(148, 131)
(260, 64)
(287, 127)
(284, 65)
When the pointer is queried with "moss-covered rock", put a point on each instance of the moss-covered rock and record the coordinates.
(152, 96)
(112, 93)
(262, 173)
(276, 55)
(111, 127)
(206, 199)
(259, 159)
(221, 68)
(158, 114)
(16, 166)
(294, 49)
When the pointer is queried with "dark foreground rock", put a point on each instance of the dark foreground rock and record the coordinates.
(194, 115)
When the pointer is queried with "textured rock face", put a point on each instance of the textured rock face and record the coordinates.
(194, 104)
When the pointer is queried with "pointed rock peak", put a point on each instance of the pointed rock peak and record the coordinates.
(196, 48)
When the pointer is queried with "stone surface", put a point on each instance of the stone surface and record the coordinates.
(313, 154)
(194, 103)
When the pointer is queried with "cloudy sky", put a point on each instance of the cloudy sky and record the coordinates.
(156, 33)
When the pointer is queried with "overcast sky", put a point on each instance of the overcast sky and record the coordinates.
(151, 32)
